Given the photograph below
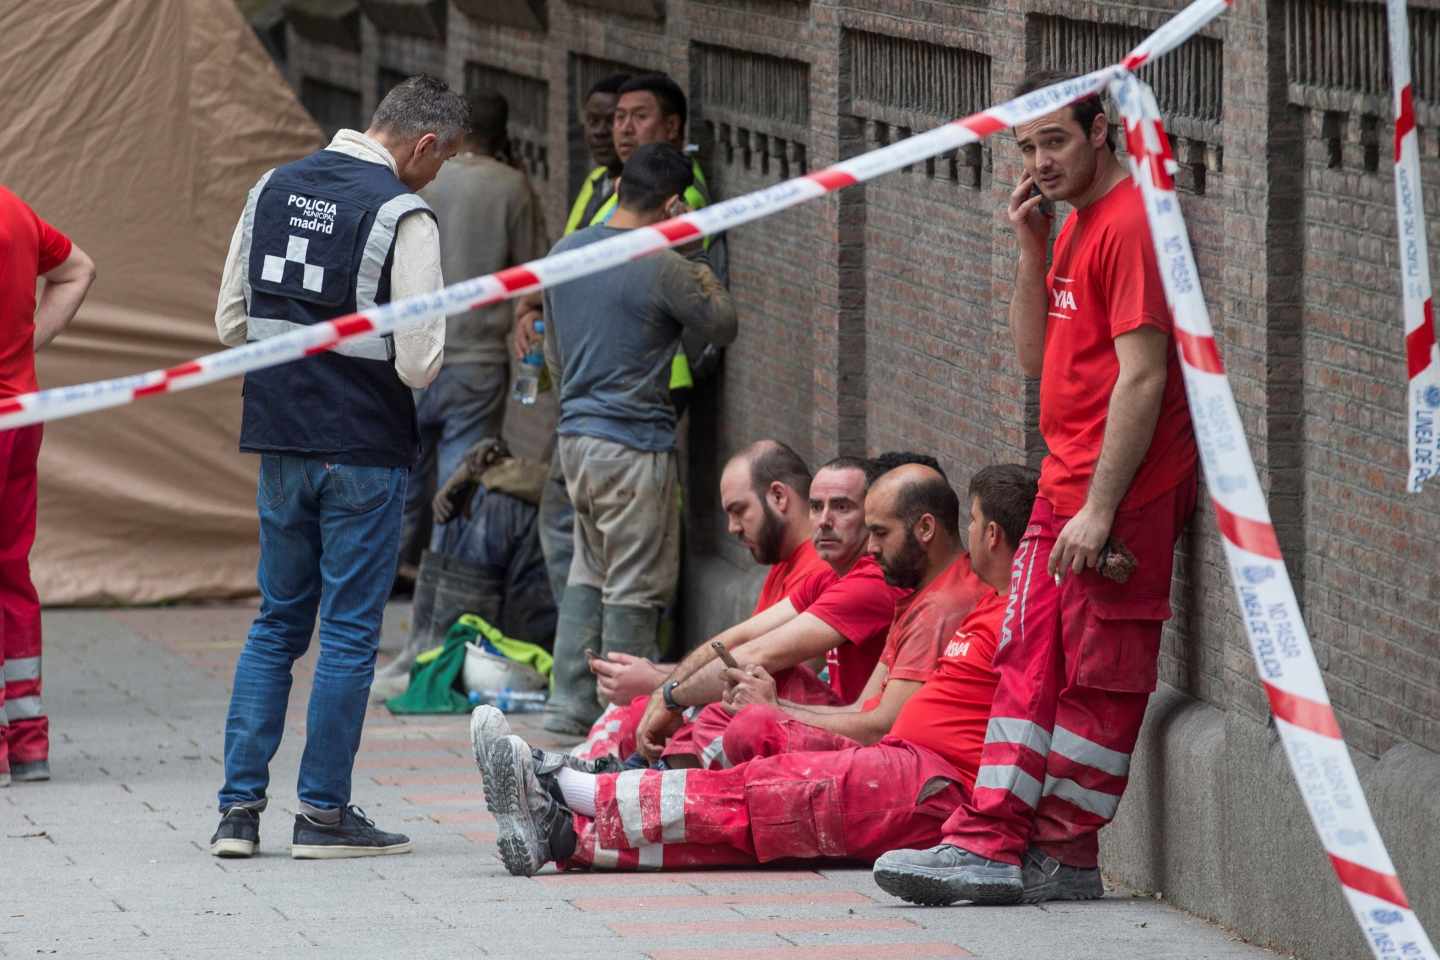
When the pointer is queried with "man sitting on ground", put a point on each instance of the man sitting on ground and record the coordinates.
(803, 806)
(844, 618)
(912, 517)
(847, 608)
(765, 492)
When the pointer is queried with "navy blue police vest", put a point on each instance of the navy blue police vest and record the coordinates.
(318, 241)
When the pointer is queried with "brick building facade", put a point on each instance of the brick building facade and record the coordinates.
(875, 319)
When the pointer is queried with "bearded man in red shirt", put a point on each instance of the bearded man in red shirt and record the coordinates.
(1077, 651)
(29, 248)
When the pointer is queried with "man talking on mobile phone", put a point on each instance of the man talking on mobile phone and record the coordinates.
(612, 336)
(1077, 650)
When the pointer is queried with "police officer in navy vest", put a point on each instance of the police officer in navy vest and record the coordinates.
(339, 231)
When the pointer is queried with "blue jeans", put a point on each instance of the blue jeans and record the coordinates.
(462, 406)
(329, 536)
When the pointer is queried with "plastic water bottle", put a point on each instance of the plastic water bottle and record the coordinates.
(515, 701)
(527, 381)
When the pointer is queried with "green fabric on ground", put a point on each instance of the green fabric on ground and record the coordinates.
(435, 685)
(435, 678)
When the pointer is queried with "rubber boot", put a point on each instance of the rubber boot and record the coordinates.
(632, 630)
(573, 702)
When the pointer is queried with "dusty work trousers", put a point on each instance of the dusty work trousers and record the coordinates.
(1077, 666)
(850, 804)
(627, 531)
(24, 729)
(613, 734)
(720, 739)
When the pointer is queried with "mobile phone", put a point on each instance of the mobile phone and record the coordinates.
(724, 654)
(1047, 206)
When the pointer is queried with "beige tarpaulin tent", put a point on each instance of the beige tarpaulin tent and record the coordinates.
(137, 126)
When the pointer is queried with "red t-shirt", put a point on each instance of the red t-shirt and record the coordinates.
(786, 575)
(1103, 283)
(950, 713)
(926, 622)
(860, 606)
(29, 247)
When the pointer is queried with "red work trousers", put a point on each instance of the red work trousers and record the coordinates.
(721, 739)
(1077, 666)
(614, 733)
(850, 804)
(24, 729)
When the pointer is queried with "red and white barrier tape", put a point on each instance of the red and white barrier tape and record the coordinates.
(546, 272)
(1421, 355)
(1278, 639)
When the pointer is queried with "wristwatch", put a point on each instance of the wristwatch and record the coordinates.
(667, 693)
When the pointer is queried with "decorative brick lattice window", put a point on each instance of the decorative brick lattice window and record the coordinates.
(900, 87)
(756, 108)
(529, 101)
(1187, 83)
(333, 106)
(386, 79)
(1337, 61)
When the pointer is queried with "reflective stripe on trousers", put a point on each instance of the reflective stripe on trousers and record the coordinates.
(662, 817)
(24, 708)
(21, 668)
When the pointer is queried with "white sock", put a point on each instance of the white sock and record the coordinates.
(578, 789)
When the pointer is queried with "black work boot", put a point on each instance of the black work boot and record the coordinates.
(1048, 879)
(947, 874)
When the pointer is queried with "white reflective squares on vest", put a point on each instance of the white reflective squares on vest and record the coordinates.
(295, 251)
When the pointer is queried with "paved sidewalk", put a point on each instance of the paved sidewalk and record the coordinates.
(109, 859)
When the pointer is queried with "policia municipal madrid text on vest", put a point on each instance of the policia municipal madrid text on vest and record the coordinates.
(318, 243)
(697, 195)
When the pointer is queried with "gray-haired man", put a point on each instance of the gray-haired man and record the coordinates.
(337, 231)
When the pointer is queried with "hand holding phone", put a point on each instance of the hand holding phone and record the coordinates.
(1047, 206)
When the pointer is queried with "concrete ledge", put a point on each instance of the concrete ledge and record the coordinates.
(1214, 822)
(717, 594)
(1167, 836)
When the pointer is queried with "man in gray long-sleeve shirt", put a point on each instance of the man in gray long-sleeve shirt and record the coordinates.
(612, 335)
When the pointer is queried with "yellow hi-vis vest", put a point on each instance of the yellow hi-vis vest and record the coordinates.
(695, 197)
(582, 200)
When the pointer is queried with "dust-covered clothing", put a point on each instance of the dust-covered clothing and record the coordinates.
(627, 531)
(853, 804)
(613, 335)
(487, 220)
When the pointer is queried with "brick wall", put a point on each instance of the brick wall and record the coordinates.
(875, 319)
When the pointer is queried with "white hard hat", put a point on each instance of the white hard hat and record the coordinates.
(489, 671)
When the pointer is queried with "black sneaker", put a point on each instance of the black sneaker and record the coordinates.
(354, 835)
(534, 827)
(238, 834)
